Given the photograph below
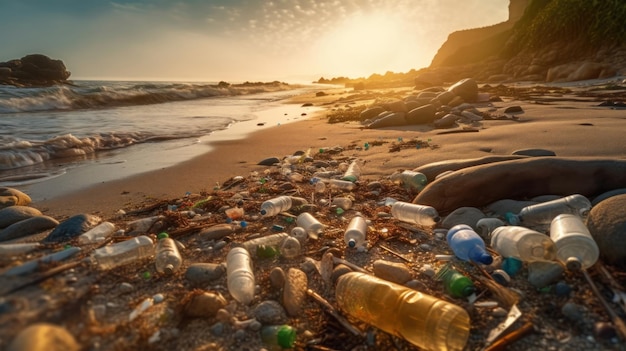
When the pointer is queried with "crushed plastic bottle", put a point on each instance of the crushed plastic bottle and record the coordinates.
(468, 245)
(168, 259)
(122, 253)
(410, 180)
(353, 172)
(423, 320)
(239, 275)
(575, 247)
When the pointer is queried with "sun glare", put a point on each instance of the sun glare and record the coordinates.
(364, 44)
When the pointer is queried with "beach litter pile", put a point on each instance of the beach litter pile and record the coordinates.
(308, 253)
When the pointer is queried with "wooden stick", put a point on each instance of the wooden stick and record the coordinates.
(510, 338)
(333, 312)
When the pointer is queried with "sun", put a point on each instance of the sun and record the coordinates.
(364, 44)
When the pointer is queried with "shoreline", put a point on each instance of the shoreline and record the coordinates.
(575, 123)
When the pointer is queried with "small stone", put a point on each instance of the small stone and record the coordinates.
(426, 247)
(428, 270)
(392, 271)
(72, 227)
(269, 161)
(485, 226)
(416, 284)
(544, 273)
(14, 214)
(204, 273)
(604, 330)
(294, 294)
(277, 278)
(44, 337)
(270, 312)
(562, 289)
(513, 109)
(573, 311)
(204, 304)
(463, 215)
(499, 312)
(501, 277)
(338, 271)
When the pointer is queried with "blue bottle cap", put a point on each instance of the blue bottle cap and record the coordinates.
(352, 243)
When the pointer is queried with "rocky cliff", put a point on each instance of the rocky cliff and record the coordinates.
(33, 70)
(543, 40)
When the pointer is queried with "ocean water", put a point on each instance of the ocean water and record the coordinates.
(45, 133)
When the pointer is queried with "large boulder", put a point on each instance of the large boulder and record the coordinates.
(33, 70)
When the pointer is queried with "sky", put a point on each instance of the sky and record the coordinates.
(237, 40)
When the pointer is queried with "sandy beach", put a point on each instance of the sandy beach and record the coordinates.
(568, 125)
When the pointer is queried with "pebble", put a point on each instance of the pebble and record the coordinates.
(607, 225)
(513, 109)
(463, 215)
(44, 337)
(270, 312)
(544, 273)
(269, 161)
(28, 227)
(499, 312)
(338, 271)
(14, 214)
(604, 330)
(204, 273)
(72, 227)
(562, 289)
(426, 247)
(392, 271)
(573, 311)
(204, 304)
(428, 270)
(294, 294)
(277, 278)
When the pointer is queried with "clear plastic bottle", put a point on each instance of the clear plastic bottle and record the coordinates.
(423, 320)
(96, 234)
(422, 215)
(342, 202)
(300, 234)
(312, 226)
(264, 244)
(356, 232)
(454, 282)
(467, 244)
(290, 248)
(168, 259)
(353, 172)
(274, 206)
(342, 184)
(8, 250)
(278, 337)
(522, 243)
(239, 275)
(543, 213)
(575, 246)
(410, 180)
(122, 253)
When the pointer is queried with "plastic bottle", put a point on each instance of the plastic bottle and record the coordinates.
(290, 248)
(575, 246)
(239, 275)
(342, 184)
(300, 234)
(32, 265)
(423, 320)
(278, 337)
(353, 172)
(274, 206)
(265, 246)
(467, 244)
(410, 180)
(124, 252)
(96, 234)
(8, 250)
(168, 259)
(454, 282)
(342, 202)
(312, 226)
(543, 213)
(422, 215)
(522, 243)
(356, 232)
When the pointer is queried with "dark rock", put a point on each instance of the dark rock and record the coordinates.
(34, 70)
(446, 121)
(371, 112)
(28, 227)
(465, 88)
(596, 200)
(270, 312)
(607, 225)
(392, 119)
(204, 273)
(534, 152)
(513, 109)
(270, 161)
(421, 115)
(463, 215)
(443, 98)
(14, 214)
(544, 273)
(72, 227)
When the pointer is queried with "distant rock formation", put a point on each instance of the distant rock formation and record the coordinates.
(33, 70)
(543, 40)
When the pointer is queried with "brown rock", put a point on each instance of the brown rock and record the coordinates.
(607, 225)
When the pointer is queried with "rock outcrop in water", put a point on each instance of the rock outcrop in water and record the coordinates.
(33, 70)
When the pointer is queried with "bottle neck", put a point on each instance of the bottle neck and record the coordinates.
(480, 255)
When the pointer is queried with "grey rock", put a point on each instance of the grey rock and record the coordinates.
(392, 271)
(72, 227)
(607, 225)
(13, 197)
(204, 305)
(514, 109)
(270, 312)
(485, 226)
(534, 152)
(443, 98)
(463, 215)
(204, 273)
(392, 119)
(596, 200)
(465, 88)
(14, 214)
(573, 311)
(269, 161)
(28, 227)
(501, 207)
(421, 115)
(294, 295)
(217, 231)
(371, 112)
(44, 337)
(446, 121)
(499, 312)
(544, 273)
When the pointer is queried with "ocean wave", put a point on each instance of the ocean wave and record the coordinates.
(95, 95)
